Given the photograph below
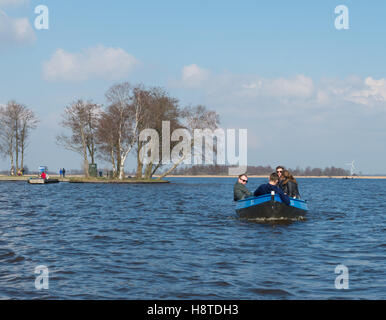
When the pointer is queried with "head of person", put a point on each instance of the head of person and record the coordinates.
(243, 179)
(287, 176)
(274, 179)
(279, 170)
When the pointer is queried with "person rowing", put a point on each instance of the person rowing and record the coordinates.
(272, 185)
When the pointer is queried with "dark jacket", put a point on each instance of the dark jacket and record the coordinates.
(268, 188)
(291, 189)
(241, 192)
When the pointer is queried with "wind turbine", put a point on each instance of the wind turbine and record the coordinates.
(352, 164)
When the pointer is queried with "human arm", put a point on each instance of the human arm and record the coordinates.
(285, 198)
(241, 192)
(259, 191)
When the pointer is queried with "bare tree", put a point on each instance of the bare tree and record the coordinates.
(159, 107)
(28, 121)
(16, 121)
(106, 140)
(81, 118)
(198, 117)
(7, 134)
(119, 124)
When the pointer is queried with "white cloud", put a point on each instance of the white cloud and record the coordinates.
(299, 86)
(194, 76)
(253, 85)
(299, 91)
(96, 62)
(15, 30)
(374, 91)
(7, 3)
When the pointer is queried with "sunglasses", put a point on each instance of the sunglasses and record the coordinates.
(279, 171)
(246, 181)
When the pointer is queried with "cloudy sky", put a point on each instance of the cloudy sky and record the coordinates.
(309, 94)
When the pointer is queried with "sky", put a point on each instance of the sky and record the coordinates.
(308, 93)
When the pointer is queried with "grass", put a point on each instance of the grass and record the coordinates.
(80, 179)
(15, 178)
(108, 180)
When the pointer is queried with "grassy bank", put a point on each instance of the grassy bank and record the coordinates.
(266, 177)
(81, 179)
(107, 180)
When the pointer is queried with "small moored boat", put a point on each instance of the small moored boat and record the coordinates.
(42, 181)
(270, 207)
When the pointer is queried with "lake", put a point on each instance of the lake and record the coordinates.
(183, 240)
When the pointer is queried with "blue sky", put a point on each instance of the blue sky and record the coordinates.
(308, 94)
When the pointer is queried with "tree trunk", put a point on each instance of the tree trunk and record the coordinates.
(12, 163)
(22, 145)
(22, 158)
(138, 174)
(113, 163)
(85, 158)
(172, 169)
(148, 170)
(10, 150)
(85, 165)
(155, 169)
(122, 164)
(16, 147)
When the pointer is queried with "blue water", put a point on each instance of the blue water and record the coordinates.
(184, 241)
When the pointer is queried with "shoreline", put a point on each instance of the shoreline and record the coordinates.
(81, 179)
(266, 176)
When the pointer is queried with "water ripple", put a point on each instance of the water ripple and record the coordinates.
(184, 241)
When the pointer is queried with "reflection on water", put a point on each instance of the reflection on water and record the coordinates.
(276, 221)
(184, 241)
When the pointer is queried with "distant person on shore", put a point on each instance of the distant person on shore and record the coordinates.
(272, 185)
(43, 175)
(240, 190)
(290, 185)
(64, 172)
(61, 172)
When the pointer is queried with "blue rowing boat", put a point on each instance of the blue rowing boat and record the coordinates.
(270, 207)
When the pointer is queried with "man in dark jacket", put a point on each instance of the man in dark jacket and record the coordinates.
(272, 186)
(240, 191)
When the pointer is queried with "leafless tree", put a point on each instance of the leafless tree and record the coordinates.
(28, 121)
(81, 118)
(16, 122)
(119, 124)
(7, 134)
(192, 118)
(107, 139)
(159, 107)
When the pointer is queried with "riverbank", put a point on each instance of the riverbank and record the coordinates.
(81, 179)
(109, 181)
(266, 176)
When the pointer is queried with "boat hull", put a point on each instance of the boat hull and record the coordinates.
(42, 181)
(270, 207)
